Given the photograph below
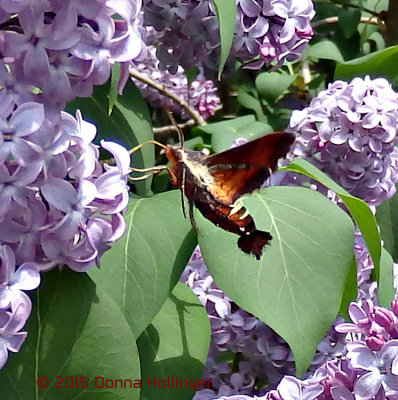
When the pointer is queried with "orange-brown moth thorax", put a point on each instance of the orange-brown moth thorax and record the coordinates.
(173, 154)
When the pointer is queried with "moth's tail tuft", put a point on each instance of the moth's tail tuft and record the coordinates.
(254, 242)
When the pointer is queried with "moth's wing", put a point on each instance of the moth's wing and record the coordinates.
(245, 168)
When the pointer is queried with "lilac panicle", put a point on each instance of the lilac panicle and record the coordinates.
(64, 48)
(272, 31)
(200, 95)
(58, 204)
(187, 32)
(267, 31)
(349, 132)
(263, 355)
(11, 338)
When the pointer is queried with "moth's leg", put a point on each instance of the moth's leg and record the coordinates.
(192, 217)
(184, 211)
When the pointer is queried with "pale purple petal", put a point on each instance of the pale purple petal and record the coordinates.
(27, 118)
(59, 193)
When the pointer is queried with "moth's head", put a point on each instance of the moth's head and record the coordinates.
(174, 155)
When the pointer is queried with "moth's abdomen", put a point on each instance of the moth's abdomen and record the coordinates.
(254, 242)
(240, 222)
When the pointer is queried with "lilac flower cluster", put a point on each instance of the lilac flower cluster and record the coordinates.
(200, 95)
(272, 30)
(269, 31)
(58, 204)
(62, 48)
(262, 355)
(15, 305)
(367, 370)
(349, 132)
(187, 32)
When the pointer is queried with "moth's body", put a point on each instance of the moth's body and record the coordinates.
(214, 184)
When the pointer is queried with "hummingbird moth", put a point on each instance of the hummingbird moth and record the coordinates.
(215, 183)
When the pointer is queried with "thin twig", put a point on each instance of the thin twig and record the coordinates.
(335, 20)
(161, 89)
(171, 128)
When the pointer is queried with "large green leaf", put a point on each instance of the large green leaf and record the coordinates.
(297, 286)
(272, 85)
(250, 100)
(359, 210)
(350, 290)
(349, 21)
(113, 90)
(75, 330)
(381, 63)
(385, 289)
(141, 268)
(325, 49)
(175, 346)
(129, 124)
(387, 218)
(226, 15)
(225, 132)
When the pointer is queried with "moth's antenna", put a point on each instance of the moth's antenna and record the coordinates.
(178, 129)
(134, 149)
(151, 170)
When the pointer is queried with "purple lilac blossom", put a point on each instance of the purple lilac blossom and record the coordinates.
(200, 95)
(11, 337)
(187, 32)
(63, 48)
(349, 132)
(272, 31)
(367, 370)
(15, 305)
(267, 31)
(58, 205)
(263, 355)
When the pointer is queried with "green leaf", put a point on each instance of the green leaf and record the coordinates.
(175, 345)
(358, 209)
(225, 132)
(191, 74)
(387, 219)
(226, 15)
(272, 85)
(144, 265)
(385, 289)
(75, 330)
(297, 286)
(113, 92)
(348, 21)
(129, 124)
(325, 49)
(380, 63)
(249, 101)
(350, 289)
